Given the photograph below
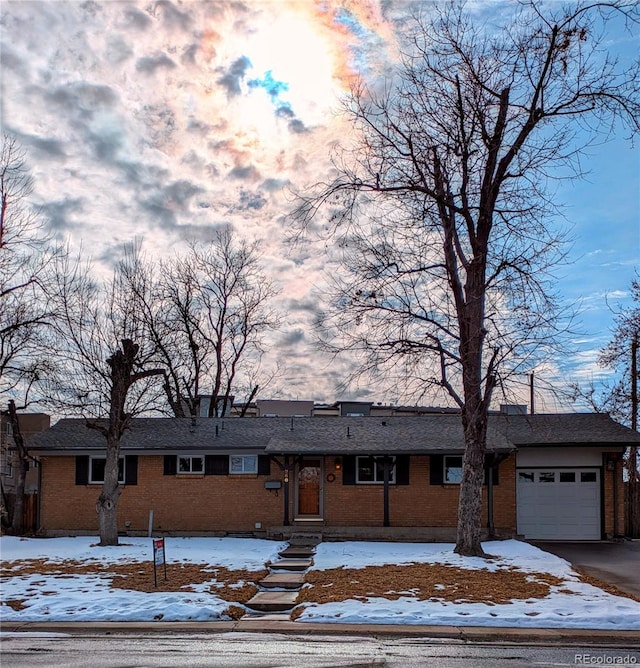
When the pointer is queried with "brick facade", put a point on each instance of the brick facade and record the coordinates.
(239, 503)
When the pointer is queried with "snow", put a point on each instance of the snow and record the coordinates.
(85, 598)
(90, 598)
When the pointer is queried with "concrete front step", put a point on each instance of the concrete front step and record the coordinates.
(273, 601)
(290, 565)
(297, 552)
(283, 581)
(307, 538)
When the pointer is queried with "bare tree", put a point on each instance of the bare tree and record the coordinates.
(442, 202)
(26, 256)
(207, 312)
(26, 259)
(103, 373)
(620, 397)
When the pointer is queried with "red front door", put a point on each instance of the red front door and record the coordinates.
(309, 478)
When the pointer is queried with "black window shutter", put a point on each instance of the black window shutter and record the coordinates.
(264, 465)
(170, 465)
(402, 470)
(349, 470)
(436, 472)
(216, 465)
(82, 470)
(131, 470)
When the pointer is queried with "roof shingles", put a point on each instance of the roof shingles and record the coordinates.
(333, 435)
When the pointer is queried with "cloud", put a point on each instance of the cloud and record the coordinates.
(83, 97)
(172, 16)
(248, 173)
(231, 80)
(249, 201)
(134, 18)
(150, 64)
(273, 185)
(58, 213)
(297, 126)
(291, 338)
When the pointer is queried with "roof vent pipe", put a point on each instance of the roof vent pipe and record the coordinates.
(217, 431)
(348, 433)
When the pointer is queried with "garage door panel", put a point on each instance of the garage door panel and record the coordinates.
(558, 504)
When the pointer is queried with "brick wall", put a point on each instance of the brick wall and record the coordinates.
(609, 519)
(235, 503)
(416, 504)
(180, 503)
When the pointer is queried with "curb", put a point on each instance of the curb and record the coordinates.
(475, 634)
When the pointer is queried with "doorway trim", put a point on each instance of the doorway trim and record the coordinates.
(301, 464)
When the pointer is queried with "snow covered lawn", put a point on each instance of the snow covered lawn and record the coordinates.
(71, 579)
(456, 600)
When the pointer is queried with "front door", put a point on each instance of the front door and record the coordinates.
(309, 487)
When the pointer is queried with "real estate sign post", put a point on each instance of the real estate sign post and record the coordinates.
(158, 559)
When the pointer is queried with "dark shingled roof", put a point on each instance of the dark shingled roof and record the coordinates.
(567, 429)
(333, 435)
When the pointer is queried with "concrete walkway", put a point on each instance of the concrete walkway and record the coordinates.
(617, 563)
(278, 591)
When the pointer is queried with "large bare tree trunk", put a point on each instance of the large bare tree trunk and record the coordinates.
(107, 504)
(123, 376)
(17, 520)
(468, 541)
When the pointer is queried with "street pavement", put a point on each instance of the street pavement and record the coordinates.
(279, 650)
(481, 634)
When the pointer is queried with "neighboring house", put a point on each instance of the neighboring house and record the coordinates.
(546, 476)
(30, 424)
(288, 408)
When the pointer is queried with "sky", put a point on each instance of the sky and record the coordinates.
(70, 597)
(162, 120)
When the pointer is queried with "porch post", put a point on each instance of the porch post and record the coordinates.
(286, 491)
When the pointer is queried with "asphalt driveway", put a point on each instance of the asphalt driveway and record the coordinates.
(615, 563)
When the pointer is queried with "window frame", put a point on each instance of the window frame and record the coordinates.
(446, 466)
(190, 458)
(121, 470)
(376, 471)
(243, 458)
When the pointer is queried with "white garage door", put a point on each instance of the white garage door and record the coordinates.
(560, 504)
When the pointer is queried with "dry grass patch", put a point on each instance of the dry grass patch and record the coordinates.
(236, 586)
(426, 582)
(16, 604)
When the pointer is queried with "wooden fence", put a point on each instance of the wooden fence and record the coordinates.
(632, 506)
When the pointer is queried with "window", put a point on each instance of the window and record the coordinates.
(525, 477)
(370, 470)
(452, 470)
(547, 477)
(588, 476)
(243, 464)
(567, 476)
(191, 464)
(96, 469)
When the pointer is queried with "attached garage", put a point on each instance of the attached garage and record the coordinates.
(559, 503)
